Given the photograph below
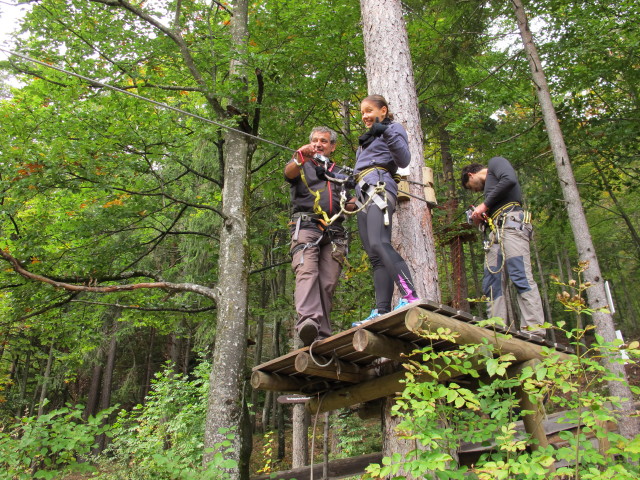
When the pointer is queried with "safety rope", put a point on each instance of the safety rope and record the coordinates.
(333, 357)
(140, 97)
(497, 231)
(313, 435)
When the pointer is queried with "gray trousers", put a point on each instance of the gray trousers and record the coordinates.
(516, 237)
(317, 271)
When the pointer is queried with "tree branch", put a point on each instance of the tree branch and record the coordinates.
(180, 287)
(149, 309)
(176, 37)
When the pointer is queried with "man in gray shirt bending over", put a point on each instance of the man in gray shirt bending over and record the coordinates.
(508, 253)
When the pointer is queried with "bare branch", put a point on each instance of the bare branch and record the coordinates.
(180, 287)
(149, 309)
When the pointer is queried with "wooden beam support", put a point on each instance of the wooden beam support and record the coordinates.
(379, 345)
(377, 388)
(420, 319)
(334, 369)
(274, 382)
(533, 422)
(362, 392)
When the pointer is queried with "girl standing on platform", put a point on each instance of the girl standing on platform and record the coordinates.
(383, 149)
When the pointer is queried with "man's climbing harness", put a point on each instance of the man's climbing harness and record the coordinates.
(502, 218)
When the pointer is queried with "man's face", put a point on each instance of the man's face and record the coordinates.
(321, 142)
(475, 182)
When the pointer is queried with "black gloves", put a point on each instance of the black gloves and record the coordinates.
(378, 128)
(322, 174)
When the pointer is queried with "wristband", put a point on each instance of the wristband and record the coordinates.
(301, 162)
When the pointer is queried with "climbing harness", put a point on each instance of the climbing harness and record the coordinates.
(497, 222)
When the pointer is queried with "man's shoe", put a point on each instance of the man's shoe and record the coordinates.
(308, 333)
(536, 336)
(374, 313)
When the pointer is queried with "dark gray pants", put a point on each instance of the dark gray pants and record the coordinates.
(517, 268)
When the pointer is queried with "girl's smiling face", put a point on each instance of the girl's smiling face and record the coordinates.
(370, 112)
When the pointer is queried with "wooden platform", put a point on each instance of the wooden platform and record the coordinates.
(364, 363)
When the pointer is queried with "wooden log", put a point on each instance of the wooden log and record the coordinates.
(342, 468)
(428, 190)
(403, 186)
(378, 388)
(274, 382)
(533, 422)
(381, 345)
(420, 319)
(334, 369)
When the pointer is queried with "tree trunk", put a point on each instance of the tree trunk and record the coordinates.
(390, 73)
(107, 377)
(459, 293)
(23, 383)
(635, 237)
(259, 335)
(224, 409)
(300, 443)
(149, 366)
(597, 300)
(45, 380)
(544, 290)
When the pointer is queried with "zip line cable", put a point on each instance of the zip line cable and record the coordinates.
(160, 104)
(140, 97)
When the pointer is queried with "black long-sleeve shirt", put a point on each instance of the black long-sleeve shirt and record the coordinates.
(501, 185)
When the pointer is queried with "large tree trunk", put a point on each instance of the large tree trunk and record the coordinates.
(596, 297)
(224, 410)
(390, 73)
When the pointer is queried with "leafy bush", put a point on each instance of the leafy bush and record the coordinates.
(164, 438)
(443, 415)
(53, 444)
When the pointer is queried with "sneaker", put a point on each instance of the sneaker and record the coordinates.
(374, 313)
(403, 301)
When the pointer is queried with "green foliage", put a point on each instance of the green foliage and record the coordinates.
(356, 437)
(50, 445)
(441, 416)
(164, 438)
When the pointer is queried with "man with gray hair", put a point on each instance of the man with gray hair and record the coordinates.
(318, 250)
